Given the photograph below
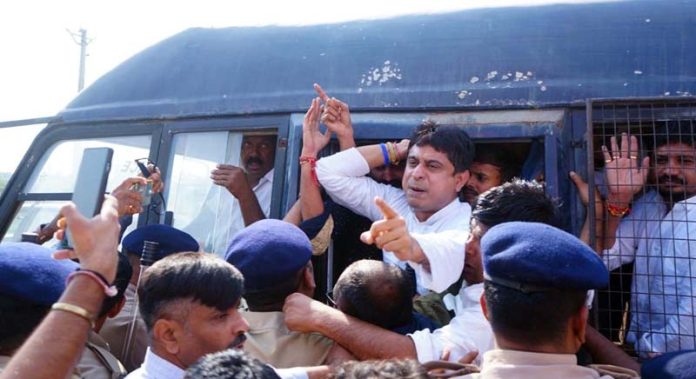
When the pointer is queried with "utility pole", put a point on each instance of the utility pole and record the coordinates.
(83, 42)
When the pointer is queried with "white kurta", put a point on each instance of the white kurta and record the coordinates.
(442, 236)
(468, 331)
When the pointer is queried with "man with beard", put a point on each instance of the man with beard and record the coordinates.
(250, 185)
(658, 232)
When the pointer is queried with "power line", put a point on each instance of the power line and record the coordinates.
(83, 41)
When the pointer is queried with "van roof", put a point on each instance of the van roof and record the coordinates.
(501, 57)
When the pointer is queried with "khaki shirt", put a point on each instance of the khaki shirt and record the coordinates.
(97, 361)
(270, 341)
(522, 365)
(115, 332)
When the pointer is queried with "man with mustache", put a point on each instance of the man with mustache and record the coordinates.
(491, 167)
(250, 185)
(189, 304)
(434, 222)
(658, 232)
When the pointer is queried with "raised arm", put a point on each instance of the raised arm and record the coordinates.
(584, 192)
(336, 117)
(56, 345)
(234, 179)
(625, 178)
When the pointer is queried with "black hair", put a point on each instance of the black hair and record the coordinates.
(384, 369)
(450, 140)
(199, 277)
(229, 364)
(375, 292)
(675, 132)
(18, 319)
(524, 318)
(507, 164)
(124, 271)
(273, 298)
(518, 200)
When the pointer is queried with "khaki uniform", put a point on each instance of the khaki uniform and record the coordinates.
(522, 365)
(97, 361)
(115, 332)
(270, 341)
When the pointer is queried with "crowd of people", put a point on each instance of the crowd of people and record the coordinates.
(461, 270)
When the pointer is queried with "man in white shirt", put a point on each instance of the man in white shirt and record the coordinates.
(250, 186)
(189, 304)
(469, 331)
(435, 221)
(659, 234)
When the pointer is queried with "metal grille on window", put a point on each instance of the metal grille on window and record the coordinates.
(643, 157)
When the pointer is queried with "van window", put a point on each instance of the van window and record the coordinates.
(57, 170)
(30, 215)
(56, 173)
(206, 211)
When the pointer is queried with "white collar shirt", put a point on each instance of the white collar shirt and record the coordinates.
(442, 236)
(229, 220)
(663, 246)
(155, 367)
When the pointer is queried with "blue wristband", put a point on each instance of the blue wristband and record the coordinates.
(385, 154)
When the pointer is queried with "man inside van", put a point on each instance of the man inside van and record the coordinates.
(250, 185)
(657, 231)
(491, 167)
(433, 230)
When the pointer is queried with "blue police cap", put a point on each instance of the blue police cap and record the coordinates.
(29, 273)
(171, 240)
(268, 252)
(532, 257)
(674, 365)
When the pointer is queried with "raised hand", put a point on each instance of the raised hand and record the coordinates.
(313, 140)
(625, 177)
(129, 201)
(336, 115)
(156, 177)
(391, 234)
(231, 177)
(95, 240)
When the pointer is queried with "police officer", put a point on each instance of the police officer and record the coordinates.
(170, 240)
(536, 296)
(30, 283)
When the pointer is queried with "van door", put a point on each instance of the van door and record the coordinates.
(46, 177)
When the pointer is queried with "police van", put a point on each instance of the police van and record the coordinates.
(548, 83)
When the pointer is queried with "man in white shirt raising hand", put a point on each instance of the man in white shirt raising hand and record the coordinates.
(437, 168)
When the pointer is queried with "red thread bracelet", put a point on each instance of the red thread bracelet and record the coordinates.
(313, 164)
(617, 211)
